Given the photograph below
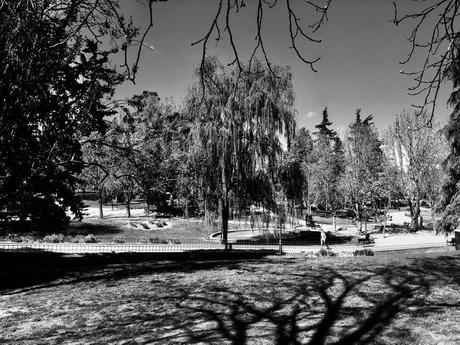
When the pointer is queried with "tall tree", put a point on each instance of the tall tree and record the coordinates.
(364, 165)
(148, 132)
(53, 90)
(301, 152)
(326, 165)
(418, 154)
(240, 119)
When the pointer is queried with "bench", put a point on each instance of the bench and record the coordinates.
(229, 244)
(365, 239)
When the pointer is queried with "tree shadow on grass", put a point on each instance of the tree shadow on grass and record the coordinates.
(251, 300)
(37, 269)
(325, 306)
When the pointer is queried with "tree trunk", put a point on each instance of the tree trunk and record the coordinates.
(359, 216)
(387, 208)
(128, 207)
(432, 207)
(186, 210)
(415, 214)
(101, 212)
(225, 214)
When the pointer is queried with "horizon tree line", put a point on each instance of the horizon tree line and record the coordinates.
(223, 151)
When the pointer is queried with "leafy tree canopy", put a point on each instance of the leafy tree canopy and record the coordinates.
(53, 90)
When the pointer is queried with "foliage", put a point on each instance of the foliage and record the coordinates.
(418, 152)
(326, 164)
(363, 252)
(364, 164)
(450, 202)
(301, 152)
(54, 86)
(90, 239)
(54, 238)
(325, 252)
(239, 121)
(141, 153)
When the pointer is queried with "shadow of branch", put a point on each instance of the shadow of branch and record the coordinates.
(326, 307)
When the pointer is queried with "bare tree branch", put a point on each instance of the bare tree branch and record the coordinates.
(438, 18)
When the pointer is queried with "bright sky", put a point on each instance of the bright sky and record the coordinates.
(359, 52)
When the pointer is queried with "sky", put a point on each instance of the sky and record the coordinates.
(359, 67)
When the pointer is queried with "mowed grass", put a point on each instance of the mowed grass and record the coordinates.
(105, 230)
(393, 298)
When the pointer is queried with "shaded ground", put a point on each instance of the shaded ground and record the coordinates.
(405, 298)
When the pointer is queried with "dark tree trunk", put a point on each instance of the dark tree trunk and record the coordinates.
(225, 216)
(101, 212)
(128, 207)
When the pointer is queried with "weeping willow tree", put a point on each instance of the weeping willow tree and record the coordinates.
(241, 120)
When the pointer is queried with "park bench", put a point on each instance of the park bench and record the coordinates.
(365, 239)
(229, 244)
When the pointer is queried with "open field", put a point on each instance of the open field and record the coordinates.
(404, 298)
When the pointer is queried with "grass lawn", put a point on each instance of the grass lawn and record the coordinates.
(402, 298)
(106, 229)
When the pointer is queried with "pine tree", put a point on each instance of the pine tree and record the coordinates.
(324, 132)
(326, 164)
(364, 164)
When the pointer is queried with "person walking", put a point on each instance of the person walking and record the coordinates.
(323, 239)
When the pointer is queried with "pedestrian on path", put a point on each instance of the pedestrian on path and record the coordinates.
(323, 239)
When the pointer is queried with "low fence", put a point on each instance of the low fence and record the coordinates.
(81, 248)
(87, 248)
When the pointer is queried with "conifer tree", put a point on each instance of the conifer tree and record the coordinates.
(364, 164)
(326, 164)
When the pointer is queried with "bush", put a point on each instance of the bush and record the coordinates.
(76, 239)
(54, 238)
(156, 240)
(90, 239)
(143, 240)
(363, 252)
(118, 239)
(325, 252)
(14, 238)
